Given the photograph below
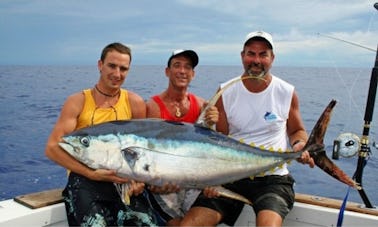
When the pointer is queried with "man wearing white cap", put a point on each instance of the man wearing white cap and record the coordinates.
(263, 110)
(176, 103)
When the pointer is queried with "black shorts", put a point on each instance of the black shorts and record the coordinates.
(272, 192)
(91, 203)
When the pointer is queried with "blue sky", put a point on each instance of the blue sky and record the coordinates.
(73, 32)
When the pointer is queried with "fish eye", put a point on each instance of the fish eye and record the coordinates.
(85, 141)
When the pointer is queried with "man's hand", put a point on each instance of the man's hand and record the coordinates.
(136, 188)
(305, 157)
(107, 175)
(211, 115)
(211, 192)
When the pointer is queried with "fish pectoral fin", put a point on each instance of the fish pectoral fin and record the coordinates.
(232, 195)
(123, 192)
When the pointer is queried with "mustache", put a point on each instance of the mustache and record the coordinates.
(251, 73)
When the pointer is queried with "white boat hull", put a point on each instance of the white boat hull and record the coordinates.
(308, 211)
(15, 214)
(313, 215)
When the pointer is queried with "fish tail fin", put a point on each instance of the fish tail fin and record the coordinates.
(315, 146)
(320, 128)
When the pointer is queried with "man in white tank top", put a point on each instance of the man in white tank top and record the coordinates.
(262, 110)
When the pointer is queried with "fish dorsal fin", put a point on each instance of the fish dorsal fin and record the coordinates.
(214, 99)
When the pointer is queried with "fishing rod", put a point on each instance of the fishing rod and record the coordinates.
(364, 149)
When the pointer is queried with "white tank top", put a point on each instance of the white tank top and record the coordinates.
(259, 118)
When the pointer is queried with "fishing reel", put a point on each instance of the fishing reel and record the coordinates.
(346, 145)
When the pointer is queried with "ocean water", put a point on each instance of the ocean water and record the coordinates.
(31, 98)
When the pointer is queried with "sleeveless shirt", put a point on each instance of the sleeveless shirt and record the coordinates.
(191, 116)
(260, 118)
(91, 114)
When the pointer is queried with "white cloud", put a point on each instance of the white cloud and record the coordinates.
(74, 31)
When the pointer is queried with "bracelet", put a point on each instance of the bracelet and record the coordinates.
(295, 142)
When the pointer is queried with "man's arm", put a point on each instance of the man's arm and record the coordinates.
(295, 127)
(297, 133)
(65, 124)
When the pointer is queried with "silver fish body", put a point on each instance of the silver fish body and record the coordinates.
(158, 152)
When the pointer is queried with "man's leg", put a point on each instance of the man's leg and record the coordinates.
(201, 216)
(268, 218)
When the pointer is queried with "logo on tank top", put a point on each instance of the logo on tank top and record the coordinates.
(270, 117)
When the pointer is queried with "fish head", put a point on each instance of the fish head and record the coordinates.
(95, 151)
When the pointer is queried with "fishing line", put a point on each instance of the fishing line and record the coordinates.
(346, 41)
(352, 106)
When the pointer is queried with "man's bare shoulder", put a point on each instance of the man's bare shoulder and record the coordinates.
(153, 110)
(134, 97)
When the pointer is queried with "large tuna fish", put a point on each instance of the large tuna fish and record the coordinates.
(158, 152)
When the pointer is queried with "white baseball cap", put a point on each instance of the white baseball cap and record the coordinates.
(260, 34)
(189, 53)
